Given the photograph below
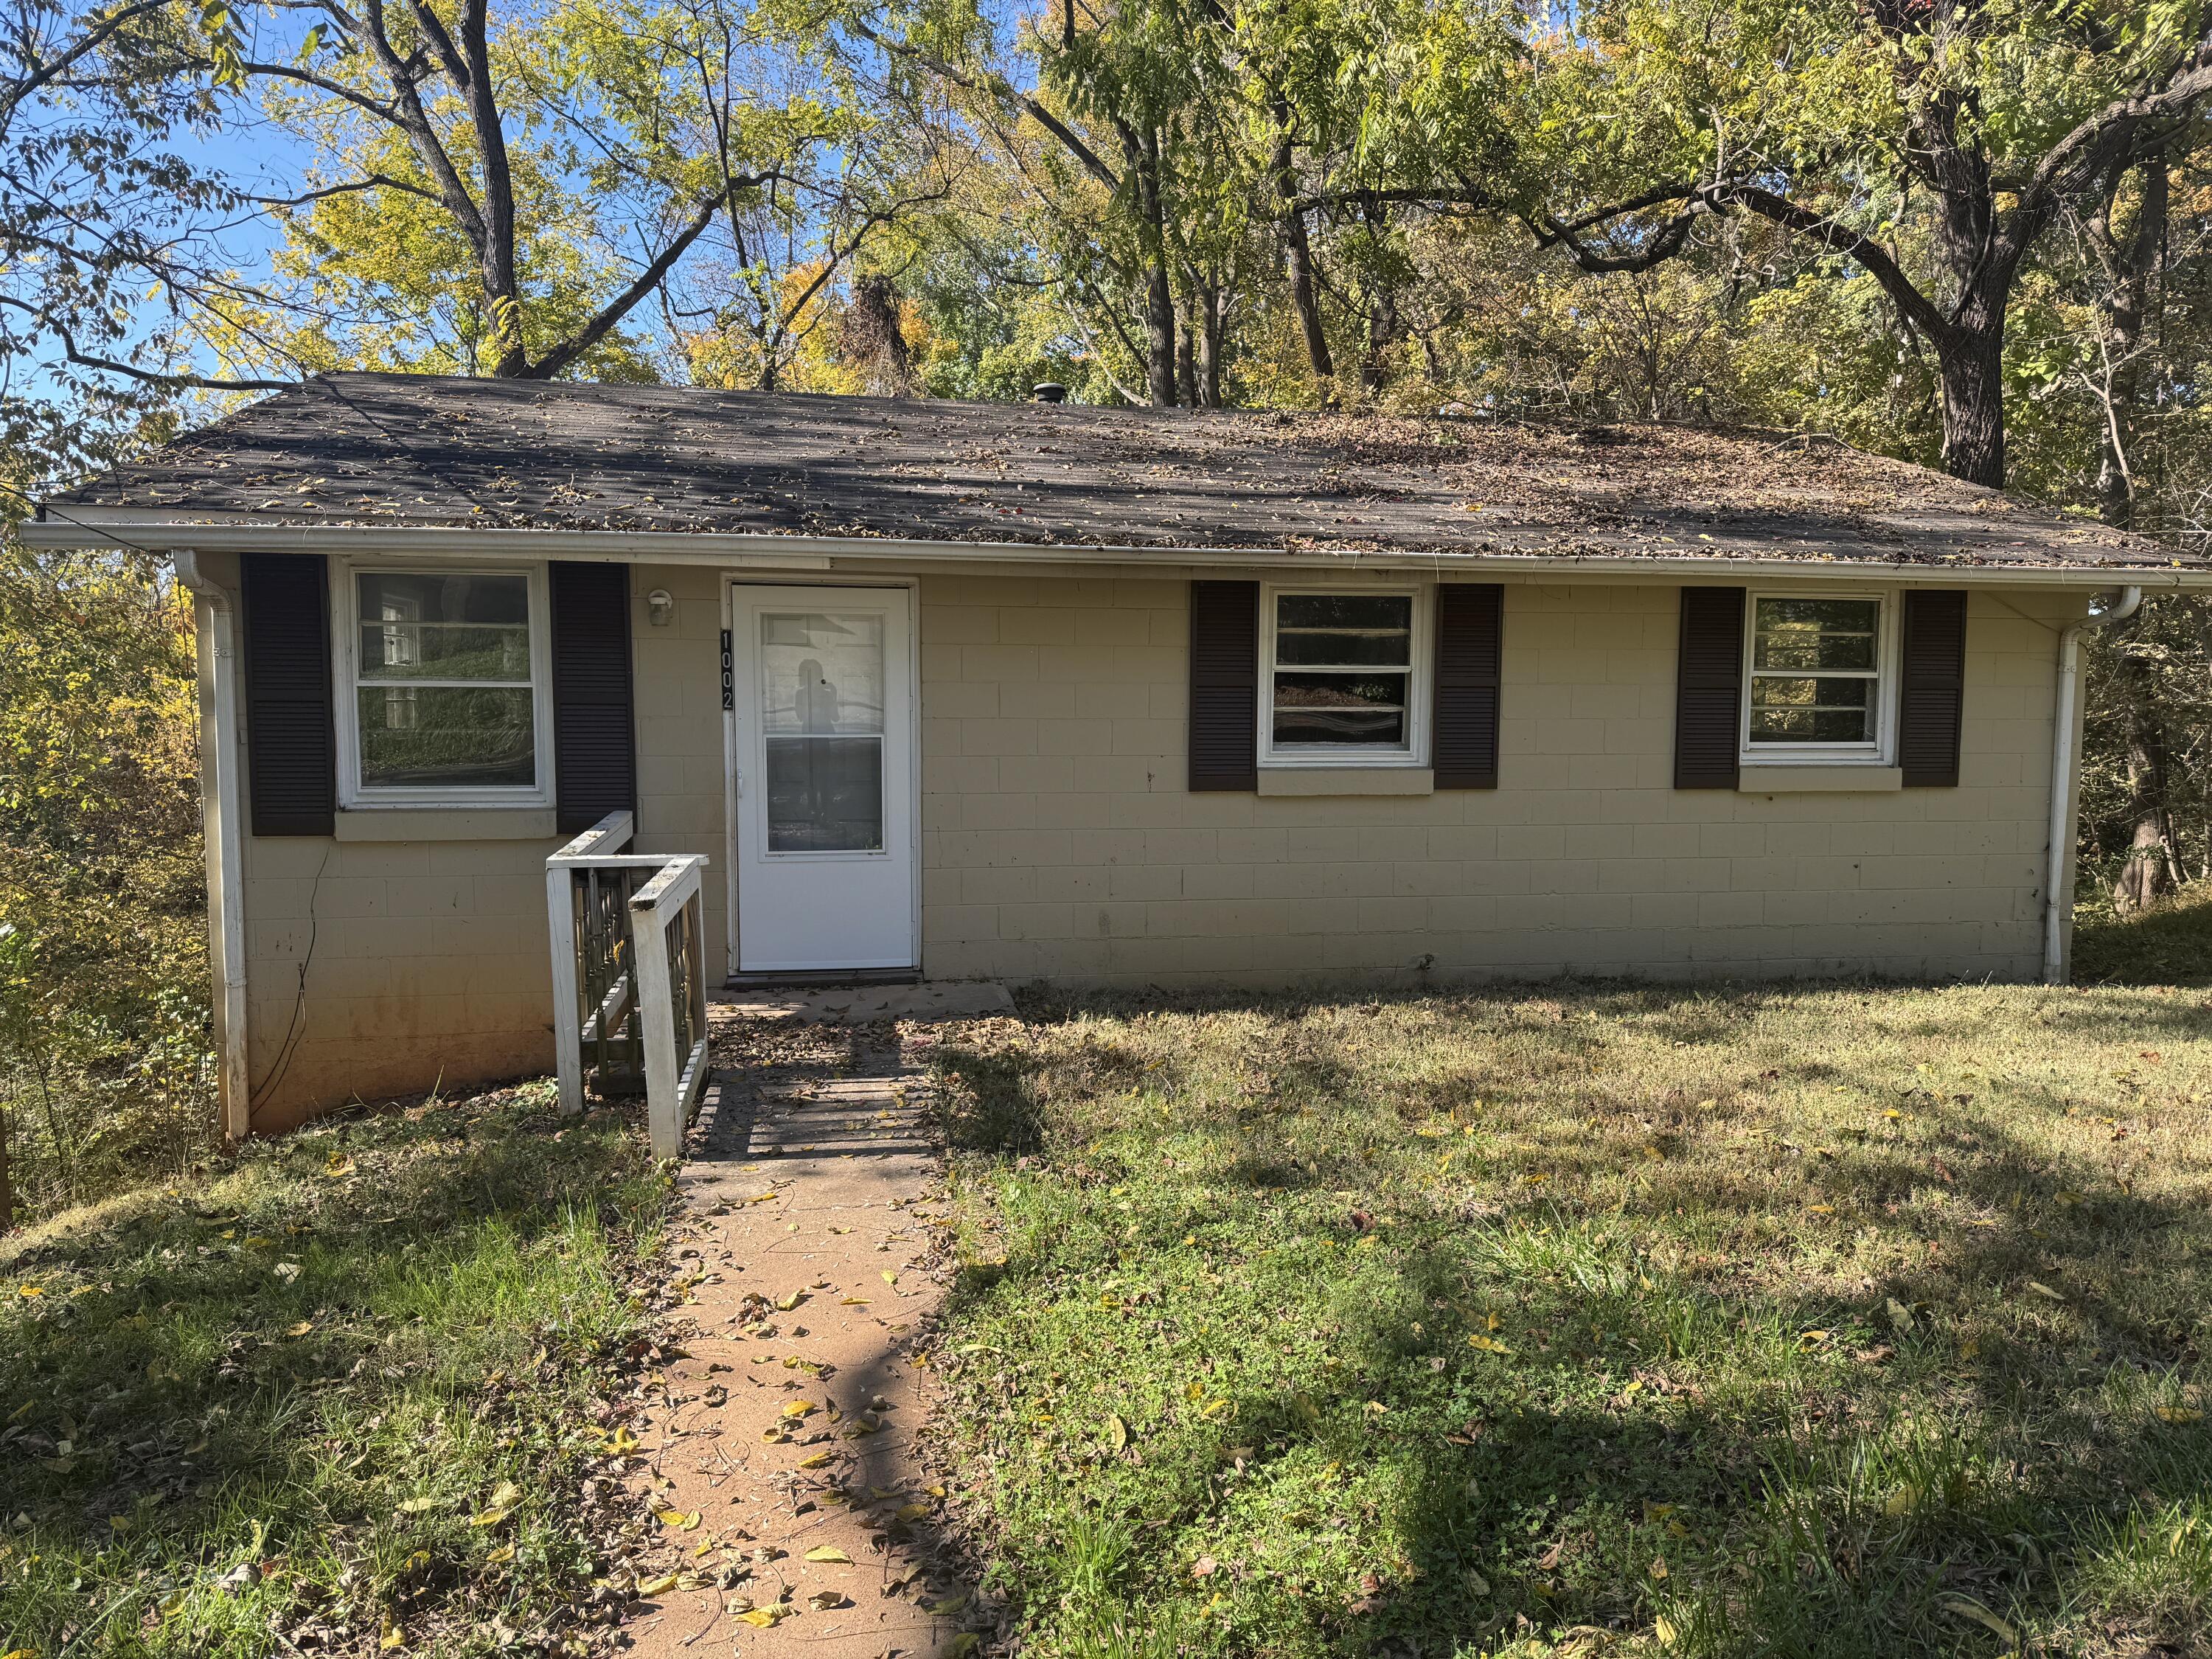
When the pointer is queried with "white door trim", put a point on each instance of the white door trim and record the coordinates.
(732, 580)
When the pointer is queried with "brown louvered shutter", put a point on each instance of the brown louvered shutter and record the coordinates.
(1225, 685)
(1932, 684)
(1709, 689)
(595, 755)
(1468, 631)
(291, 744)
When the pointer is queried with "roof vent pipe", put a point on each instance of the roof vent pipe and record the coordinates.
(2057, 895)
(1049, 392)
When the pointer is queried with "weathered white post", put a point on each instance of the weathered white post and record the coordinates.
(673, 1079)
(609, 834)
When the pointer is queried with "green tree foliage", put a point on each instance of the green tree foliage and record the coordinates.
(105, 1072)
(1936, 144)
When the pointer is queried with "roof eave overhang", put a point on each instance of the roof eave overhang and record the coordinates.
(95, 527)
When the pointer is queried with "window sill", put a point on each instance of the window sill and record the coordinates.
(1821, 779)
(1347, 780)
(395, 823)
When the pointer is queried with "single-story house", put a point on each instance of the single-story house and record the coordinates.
(1098, 696)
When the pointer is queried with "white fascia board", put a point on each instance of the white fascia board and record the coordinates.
(146, 530)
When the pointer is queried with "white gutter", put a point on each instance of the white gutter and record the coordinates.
(2057, 895)
(93, 527)
(223, 826)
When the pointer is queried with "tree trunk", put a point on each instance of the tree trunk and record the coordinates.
(1971, 364)
(1159, 337)
(2150, 871)
(1209, 348)
(1142, 153)
(1298, 255)
(871, 341)
(1382, 336)
(503, 289)
(1186, 357)
(2131, 273)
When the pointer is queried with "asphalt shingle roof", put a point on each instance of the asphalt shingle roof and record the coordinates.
(392, 449)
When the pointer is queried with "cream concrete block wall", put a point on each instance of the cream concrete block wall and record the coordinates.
(677, 678)
(379, 968)
(1060, 842)
(382, 968)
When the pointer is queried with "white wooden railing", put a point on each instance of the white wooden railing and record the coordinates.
(629, 987)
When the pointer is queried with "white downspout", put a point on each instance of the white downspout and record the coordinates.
(223, 823)
(2057, 889)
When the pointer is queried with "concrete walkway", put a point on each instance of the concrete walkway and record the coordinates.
(793, 1509)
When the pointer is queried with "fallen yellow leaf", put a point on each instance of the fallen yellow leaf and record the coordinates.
(660, 1586)
(828, 1553)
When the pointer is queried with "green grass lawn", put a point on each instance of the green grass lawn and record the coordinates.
(344, 1397)
(1841, 1320)
(2169, 945)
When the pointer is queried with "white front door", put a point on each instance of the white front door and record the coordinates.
(822, 716)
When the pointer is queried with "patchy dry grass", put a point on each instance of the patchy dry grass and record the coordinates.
(1837, 1321)
(343, 1398)
(2170, 946)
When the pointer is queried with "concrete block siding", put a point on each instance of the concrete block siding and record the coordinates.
(1058, 839)
(427, 961)
(1060, 842)
(382, 968)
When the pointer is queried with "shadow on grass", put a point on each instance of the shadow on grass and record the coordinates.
(280, 1403)
(2170, 946)
(1903, 1394)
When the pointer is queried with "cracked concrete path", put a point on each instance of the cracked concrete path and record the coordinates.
(795, 1514)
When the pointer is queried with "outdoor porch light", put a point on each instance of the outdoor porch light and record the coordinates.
(662, 603)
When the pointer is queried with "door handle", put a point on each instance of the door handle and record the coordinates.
(739, 772)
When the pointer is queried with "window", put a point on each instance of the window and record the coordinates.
(1344, 683)
(1816, 681)
(448, 689)
(822, 719)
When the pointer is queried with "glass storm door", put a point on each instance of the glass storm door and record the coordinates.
(823, 715)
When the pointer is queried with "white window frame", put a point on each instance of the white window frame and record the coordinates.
(1415, 753)
(1888, 657)
(345, 626)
